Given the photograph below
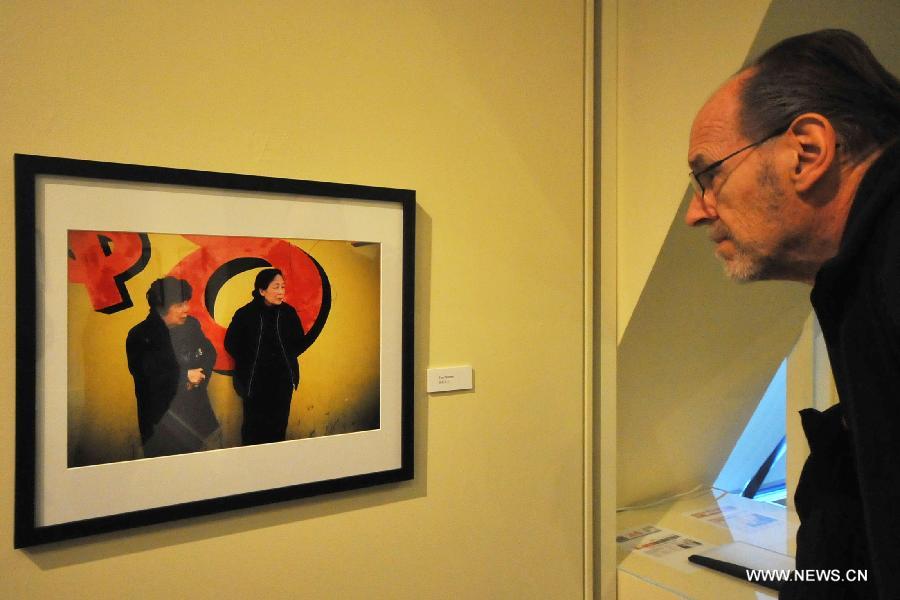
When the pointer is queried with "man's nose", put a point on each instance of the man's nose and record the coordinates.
(700, 211)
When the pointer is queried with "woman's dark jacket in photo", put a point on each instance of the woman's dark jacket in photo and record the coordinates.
(156, 371)
(245, 335)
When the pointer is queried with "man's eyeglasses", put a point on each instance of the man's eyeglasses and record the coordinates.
(709, 171)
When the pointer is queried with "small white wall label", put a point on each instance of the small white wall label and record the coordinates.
(449, 379)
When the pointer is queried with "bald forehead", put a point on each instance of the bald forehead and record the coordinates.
(715, 131)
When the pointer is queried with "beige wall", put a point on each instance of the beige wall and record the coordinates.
(695, 351)
(605, 295)
(665, 73)
(480, 108)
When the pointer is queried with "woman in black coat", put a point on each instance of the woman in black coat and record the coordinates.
(171, 360)
(265, 338)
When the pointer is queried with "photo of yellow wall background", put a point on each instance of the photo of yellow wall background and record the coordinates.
(339, 387)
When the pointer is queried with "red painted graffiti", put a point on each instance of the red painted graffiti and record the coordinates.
(103, 261)
(304, 282)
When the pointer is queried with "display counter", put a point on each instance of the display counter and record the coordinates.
(654, 544)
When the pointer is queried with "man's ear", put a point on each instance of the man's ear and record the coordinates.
(815, 143)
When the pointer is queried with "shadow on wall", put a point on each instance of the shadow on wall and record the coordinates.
(700, 350)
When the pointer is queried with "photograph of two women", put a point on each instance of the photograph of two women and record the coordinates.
(182, 343)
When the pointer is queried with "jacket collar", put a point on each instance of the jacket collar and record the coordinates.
(155, 318)
(260, 303)
(876, 190)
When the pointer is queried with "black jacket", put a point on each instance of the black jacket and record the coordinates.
(244, 337)
(849, 492)
(156, 371)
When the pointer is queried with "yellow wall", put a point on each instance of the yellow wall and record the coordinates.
(479, 107)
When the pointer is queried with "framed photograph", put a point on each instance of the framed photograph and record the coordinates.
(190, 342)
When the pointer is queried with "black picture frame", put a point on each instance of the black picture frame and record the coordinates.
(47, 187)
